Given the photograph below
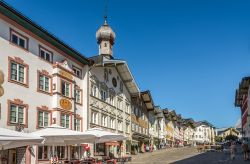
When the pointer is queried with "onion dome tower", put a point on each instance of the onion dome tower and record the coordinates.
(105, 38)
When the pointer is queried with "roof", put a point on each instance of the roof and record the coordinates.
(147, 99)
(204, 122)
(242, 90)
(28, 24)
(222, 130)
(158, 111)
(122, 69)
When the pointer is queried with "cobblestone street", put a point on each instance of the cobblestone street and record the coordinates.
(187, 155)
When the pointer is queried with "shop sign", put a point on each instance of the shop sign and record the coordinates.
(66, 104)
(66, 74)
(142, 123)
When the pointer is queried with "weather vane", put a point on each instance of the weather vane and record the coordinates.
(106, 11)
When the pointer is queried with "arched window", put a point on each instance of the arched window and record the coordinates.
(94, 86)
(104, 91)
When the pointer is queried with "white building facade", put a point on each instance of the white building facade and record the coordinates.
(204, 133)
(188, 135)
(45, 82)
(111, 85)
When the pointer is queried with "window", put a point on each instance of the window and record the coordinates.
(78, 96)
(77, 71)
(106, 75)
(65, 90)
(45, 54)
(112, 123)
(146, 131)
(76, 152)
(120, 126)
(143, 116)
(43, 119)
(121, 86)
(94, 90)
(119, 104)
(112, 99)
(127, 108)
(94, 118)
(18, 72)
(103, 95)
(77, 125)
(99, 149)
(133, 110)
(19, 39)
(16, 114)
(61, 152)
(43, 152)
(65, 120)
(139, 129)
(127, 127)
(133, 127)
(104, 120)
(136, 128)
(44, 83)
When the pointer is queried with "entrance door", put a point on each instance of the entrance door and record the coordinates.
(12, 156)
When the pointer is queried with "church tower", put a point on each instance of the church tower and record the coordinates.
(105, 38)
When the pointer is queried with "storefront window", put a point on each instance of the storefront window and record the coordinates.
(75, 152)
(100, 149)
(43, 153)
(61, 152)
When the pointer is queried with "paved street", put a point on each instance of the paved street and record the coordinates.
(187, 155)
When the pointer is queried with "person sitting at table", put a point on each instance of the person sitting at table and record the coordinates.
(54, 160)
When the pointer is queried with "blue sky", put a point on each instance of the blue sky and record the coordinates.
(190, 54)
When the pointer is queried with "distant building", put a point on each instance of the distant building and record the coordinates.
(204, 133)
(223, 132)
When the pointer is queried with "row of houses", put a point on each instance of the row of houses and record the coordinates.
(48, 82)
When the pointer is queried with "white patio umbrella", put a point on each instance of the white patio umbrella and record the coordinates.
(60, 136)
(104, 136)
(12, 139)
(56, 135)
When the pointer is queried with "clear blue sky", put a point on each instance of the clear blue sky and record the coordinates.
(190, 54)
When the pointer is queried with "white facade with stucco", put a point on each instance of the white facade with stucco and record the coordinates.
(27, 95)
(204, 134)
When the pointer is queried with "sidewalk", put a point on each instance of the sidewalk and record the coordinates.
(141, 155)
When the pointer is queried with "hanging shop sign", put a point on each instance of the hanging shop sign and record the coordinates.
(66, 104)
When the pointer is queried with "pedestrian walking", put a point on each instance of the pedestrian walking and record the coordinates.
(245, 149)
(233, 150)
